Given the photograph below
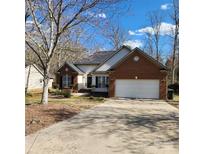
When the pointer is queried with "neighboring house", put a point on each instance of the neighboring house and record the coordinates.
(34, 78)
(121, 73)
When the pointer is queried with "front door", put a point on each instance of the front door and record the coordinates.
(66, 81)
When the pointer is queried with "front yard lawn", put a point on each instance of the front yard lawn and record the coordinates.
(39, 116)
(175, 101)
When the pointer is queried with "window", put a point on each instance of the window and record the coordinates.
(66, 81)
(101, 81)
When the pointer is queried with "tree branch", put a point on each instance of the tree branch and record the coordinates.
(36, 54)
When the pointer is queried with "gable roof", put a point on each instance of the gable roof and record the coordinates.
(145, 55)
(96, 58)
(162, 66)
(124, 46)
(73, 67)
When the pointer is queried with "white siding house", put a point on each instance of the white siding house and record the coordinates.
(34, 78)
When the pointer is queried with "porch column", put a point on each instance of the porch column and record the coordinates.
(93, 80)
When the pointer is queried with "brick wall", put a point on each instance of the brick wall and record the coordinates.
(142, 69)
(67, 70)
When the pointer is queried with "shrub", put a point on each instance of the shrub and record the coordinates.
(56, 92)
(55, 85)
(91, 97)
(66, 94)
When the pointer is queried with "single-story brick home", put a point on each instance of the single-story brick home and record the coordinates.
(122, 73)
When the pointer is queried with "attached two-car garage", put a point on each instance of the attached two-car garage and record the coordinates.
(137, 88)
(138, 76)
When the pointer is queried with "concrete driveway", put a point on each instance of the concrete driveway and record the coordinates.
(115, 127)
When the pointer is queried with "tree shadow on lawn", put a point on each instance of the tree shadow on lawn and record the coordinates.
(61, 114)
(39, 116)
(136, 132)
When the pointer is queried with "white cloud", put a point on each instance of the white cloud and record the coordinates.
(165, 6)
(131, 32)
(133, 43)
(146, 30)
(101, 15)
(165, 29)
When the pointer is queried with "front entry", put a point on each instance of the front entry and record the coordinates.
(66, 81)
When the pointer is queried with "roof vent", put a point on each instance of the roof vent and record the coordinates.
(136, 58)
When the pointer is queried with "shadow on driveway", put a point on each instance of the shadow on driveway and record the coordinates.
(117, 128)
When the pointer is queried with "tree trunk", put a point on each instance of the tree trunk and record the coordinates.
(44, 99)
(27, 80)
(174, 55)
(173, 75)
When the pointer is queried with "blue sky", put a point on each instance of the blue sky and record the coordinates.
(140, 9)
(136, 19)
(134, 23)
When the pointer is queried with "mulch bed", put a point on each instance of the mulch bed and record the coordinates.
(39, 116)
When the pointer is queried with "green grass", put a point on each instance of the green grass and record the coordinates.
(176, 98)
(35, 98)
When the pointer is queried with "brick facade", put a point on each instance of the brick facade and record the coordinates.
(144, 68)
(65, 69)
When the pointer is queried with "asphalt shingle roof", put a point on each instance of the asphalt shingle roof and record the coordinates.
(75, 68)
(96, 58)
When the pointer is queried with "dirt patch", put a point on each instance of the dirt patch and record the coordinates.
(40, 116)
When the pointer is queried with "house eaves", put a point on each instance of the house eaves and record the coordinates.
(162, 67)
(72, 66)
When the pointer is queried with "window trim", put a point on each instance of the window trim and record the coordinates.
(102, 81)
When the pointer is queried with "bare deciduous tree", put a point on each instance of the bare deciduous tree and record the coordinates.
(175, 58)
(50, 20)
(153, 36)
(115, 35)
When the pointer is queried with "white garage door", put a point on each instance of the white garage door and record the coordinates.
(137, 88)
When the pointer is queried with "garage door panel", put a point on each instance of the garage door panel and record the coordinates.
(137, 88)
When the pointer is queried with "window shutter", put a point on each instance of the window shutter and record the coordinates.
(61, 82)
(107, 81)
(72, 78)
(96, 82)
